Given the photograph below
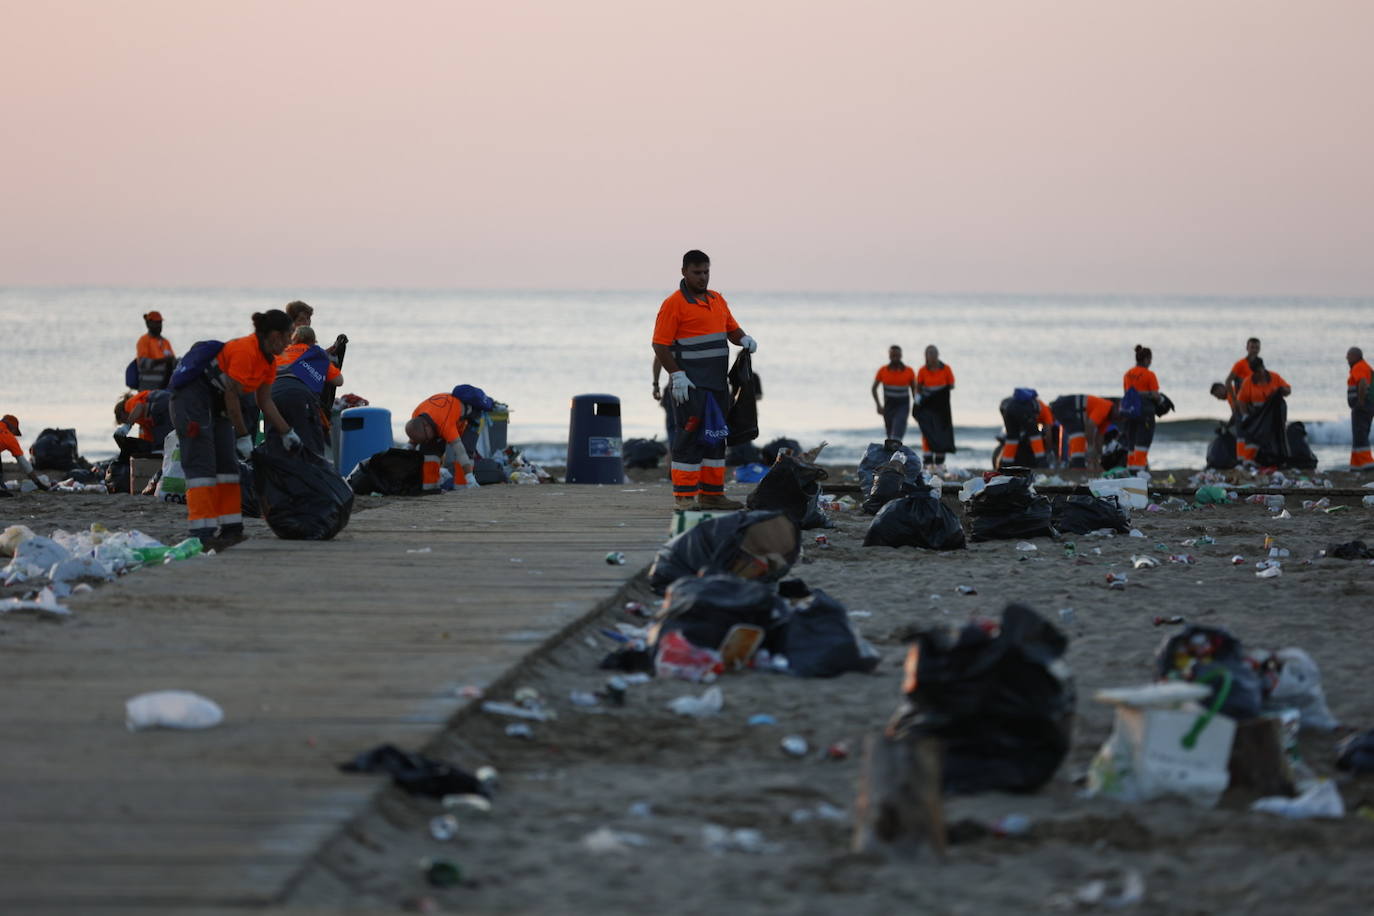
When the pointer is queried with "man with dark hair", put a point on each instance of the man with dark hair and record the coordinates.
(1359, 394)
(690, 340)
(898, 381)
(1245, 366)
(154, 354)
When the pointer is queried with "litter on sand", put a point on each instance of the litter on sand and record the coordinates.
(171, 709)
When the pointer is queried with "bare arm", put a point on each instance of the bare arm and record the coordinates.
(269, 410)
(736, 335)
(1285, 391)
(658, 368)
(664, 357)
(232, 393)
(876, 403)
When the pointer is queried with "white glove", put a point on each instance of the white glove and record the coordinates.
(244, 446)
(472, 483)
(123, 430)
(291, 439)
(749, 343)
(678, 383)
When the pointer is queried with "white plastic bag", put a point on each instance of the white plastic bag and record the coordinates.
(171, 486)
(171, 709)
(1320, 799)
(1300, 687)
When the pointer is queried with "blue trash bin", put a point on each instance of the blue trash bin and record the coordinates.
(363, 432)
(594, 440)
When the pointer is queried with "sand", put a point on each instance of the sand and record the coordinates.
(586, 770)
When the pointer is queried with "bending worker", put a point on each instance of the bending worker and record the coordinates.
(1359, 394)
(1140, 428)
(1258, 389)
(9, 442)
(155, 356)
(436, 428)
(899, 389)
(1085, 419)
(208, 414)
(1024, 414)
(690, 336)
(150, 411)
(934, 382)
(303, 371)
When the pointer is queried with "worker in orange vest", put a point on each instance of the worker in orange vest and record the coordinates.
(1359, 394)
(9, 442)
(150, 411)
(304, 371)
(1257, 389)
(934, 382)
(691, 336)
(436, 428)
(208, 415)
(1244, 366)
(155, 356)
(1084, 419)
(899, 389)
(1024, 414)
(1139, 430)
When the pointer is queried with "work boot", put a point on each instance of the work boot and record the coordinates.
(686, 503)
(718, 501)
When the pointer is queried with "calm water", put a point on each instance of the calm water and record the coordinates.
(63, 353)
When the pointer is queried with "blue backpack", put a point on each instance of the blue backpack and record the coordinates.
(1132, 405)
(193, 365)
(131, 375)
(312, 368)
(474, 397)
(713, 425)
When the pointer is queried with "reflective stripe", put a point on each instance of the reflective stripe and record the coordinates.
(714, 353)
(689, 468)
(227, 478)
(192, 482)
(893, 392)
(934, 388)
(234, 519)
(713, 462)
(700, 339)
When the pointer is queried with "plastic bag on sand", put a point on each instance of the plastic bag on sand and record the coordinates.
(34, 556)
(676, 657)
(818, 640)
(922, 520)
(878, 454)
(791, 486)
(1356, 753)
(46, 602)
(1009, 510)
(1001, 704)
(394, 472)
(12, 537)
(1299, 686)
(751, 545)
(171, 709)
(1194, 653)
(301, 496)
(1079, 514)
(727, 615)
(709, 703)
(416, 773)
(1320, 799)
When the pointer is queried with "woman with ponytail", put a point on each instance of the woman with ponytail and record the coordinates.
(1138, 412)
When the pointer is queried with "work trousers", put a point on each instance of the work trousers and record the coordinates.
(1360, 456)
(434, 453)
(896, 412)
(1069, 411)
(299, 407)
(208, 459)
(698, 466)
(1140, 435)
(1019, 419)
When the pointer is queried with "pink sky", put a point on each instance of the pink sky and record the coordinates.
(1018, 146)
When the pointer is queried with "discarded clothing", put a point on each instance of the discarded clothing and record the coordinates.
(416, 773)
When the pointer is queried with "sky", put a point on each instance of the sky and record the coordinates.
(1064, 146)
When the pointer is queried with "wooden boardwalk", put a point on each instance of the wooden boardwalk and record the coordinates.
(314, 651)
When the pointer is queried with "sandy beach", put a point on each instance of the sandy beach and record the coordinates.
(667, 779)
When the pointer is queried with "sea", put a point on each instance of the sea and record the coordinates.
(63, 351)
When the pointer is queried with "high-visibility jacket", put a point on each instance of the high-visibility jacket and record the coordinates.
(310, 364)
(1253, 394)
(935, 379)
(145, 422)
(447, 413)
(243, 360)
(1141, 379)
(1097, 411)
(1043, 416)
(1360, 372)
(896, 382)
(9, 443)
(697, 331)
(150, 347)
(1241, 369)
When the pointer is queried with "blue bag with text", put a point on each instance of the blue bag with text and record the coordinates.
(193, 365)
(713, 427)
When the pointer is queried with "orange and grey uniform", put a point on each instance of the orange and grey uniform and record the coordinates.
(207, 435)
(156, 421)
(896, 398)
(933, 381)
(1074, 412)
(10, 443)
(302, 372)
(1252, 394)
(1361, 414)
(446, 413)
(697, 331)
(1140, 431)
(154, 355)
(1025, 418)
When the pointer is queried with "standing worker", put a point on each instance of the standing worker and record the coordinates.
(1084, 419)
(1024, 414)
(208, 414)
(303, 372)
(436, 428)
(154, 356)
(9, 442)
(1139, 418)
(1359, 394)
(690, 336)
(934, 382)
(1244, 366)
(899, 390)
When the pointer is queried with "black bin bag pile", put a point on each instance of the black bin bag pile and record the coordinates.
(394, 472)
(750, 545)
(815, 635)
(1080, 513)
(1009, 510)
(792, 486)
(918, 520)
(1000, 699)
(300, 496)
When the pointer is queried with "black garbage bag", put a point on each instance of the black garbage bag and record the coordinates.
(920, 520)
(880, 453)
(488, 471)
(1356, 753)
(1350, 550)
(394, 472)
(1009, 510)
(300, 495)
(792, 486)
(744, 453)
(1266, 429)
(1221, 453)
(117, 475)
(752, 545)
(769, 452)
(1197, 651)
(713, 611)
(888, 484)
(937, 424)
(1001, 702)
(1084, 512)
(743, 416)
(1299, 451)
(248, 492)
(416, 773)
(56, 450)
(816, 637)
(643, 453)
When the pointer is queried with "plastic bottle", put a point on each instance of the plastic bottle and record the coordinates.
(184, 550)
(444, 827)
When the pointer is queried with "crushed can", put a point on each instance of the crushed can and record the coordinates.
(822, 540)
(615, 558)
